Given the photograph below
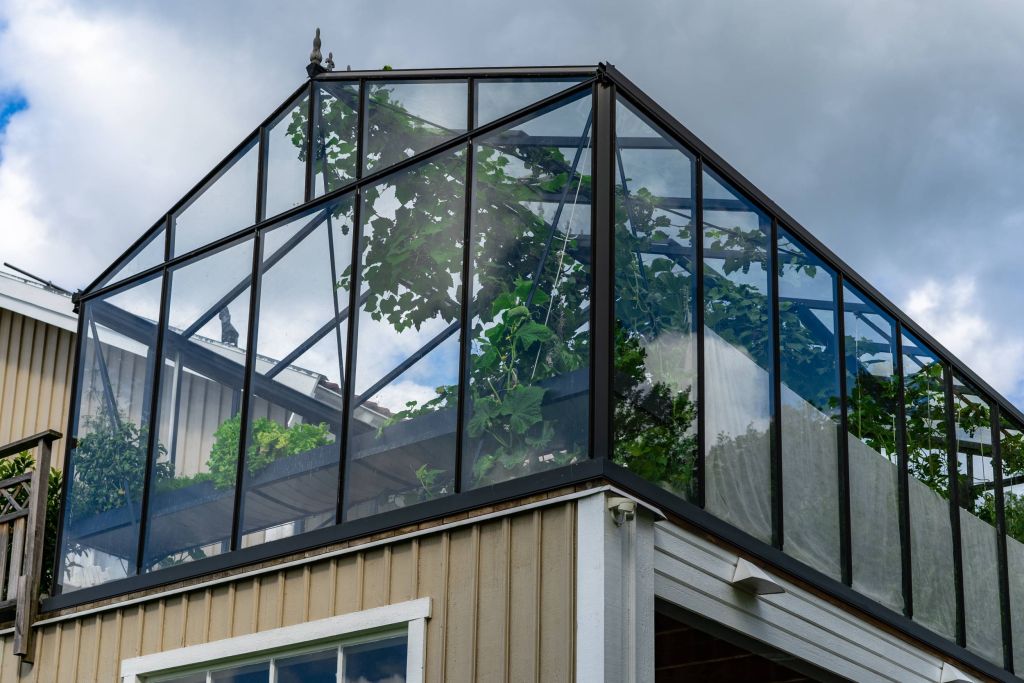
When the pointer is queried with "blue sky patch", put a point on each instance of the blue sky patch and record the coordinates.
(10, 104)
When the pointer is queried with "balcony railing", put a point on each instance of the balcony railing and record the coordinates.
(23, 508)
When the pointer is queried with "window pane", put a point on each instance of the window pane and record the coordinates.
(402, 417)
(227, 204)
(655, 348)
(286, 159)
(931, 531)
(1011, 448)
(250, 673)
(292, 455)
(334, 160)
(736, 359)
(404, 118)
(380, 662)
(872, 387)
(192, 502)
(500, 97)
(527, 405)
(978, 539)
(190, 678)
(108, 463)
(809, 367)
(315, 667)
(146, 256)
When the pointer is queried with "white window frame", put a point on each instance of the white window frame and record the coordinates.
(350, 629)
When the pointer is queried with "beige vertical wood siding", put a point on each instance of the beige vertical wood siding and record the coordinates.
(502, 594)
(35, 378)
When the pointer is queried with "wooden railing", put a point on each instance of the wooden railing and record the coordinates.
(22, 536)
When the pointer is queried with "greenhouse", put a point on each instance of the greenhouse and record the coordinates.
(408, 294)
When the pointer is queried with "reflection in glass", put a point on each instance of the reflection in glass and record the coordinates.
(108, 463)
(286, 159)
(931, 531)
(146, 256)
(498, 97)
(334, 137)
(978, 539)
(383, 661)
(655, 289)
(291, 469)
(402, 416)
(315, 667)
(249, 673)
(736, 359)
(526, 401)
(192, 500)
(872, 388)
(1011, 450)
(809, 416)
(227, 204)
(404, 118)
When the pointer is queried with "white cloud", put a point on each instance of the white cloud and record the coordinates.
(951, 312)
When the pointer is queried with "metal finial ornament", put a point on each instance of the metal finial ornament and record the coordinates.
(315, 57)
(330, 61)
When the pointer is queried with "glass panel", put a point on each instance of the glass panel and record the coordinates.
(108, 463)
(404, 118)
(809, 418)
(736, 359)
(286, 159)
(872, 387)
(249, 673)
(1011, 448)
(529, 350)
(291, 471)
(227, 204)
(931, 531)
(190, 678)
(315, 667)
(978, 539)
(148, 255)
(402, 418)
(381, 662)
(192, 502)
(334, 161)
(500, 97)
(655, 348)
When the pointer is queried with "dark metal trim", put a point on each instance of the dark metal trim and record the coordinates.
(467, 293)
(313, 96)
(130, 253)
(903, 477)
(459, 73)
(262, 161)
(602, 272)
(953, 471)
(153, 418)
(251, 336)
(845, 526)
(775, 402)
(698, 318)
(1001, 557)
(69, 447)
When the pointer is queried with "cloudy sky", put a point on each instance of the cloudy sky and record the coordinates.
(894, 132)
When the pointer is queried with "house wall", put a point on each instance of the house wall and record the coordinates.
(502, 594)
(35, 378)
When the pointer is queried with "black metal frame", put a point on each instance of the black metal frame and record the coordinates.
(607, 86)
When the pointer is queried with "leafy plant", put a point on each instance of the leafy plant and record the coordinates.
(270, 442)
(110, 465)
